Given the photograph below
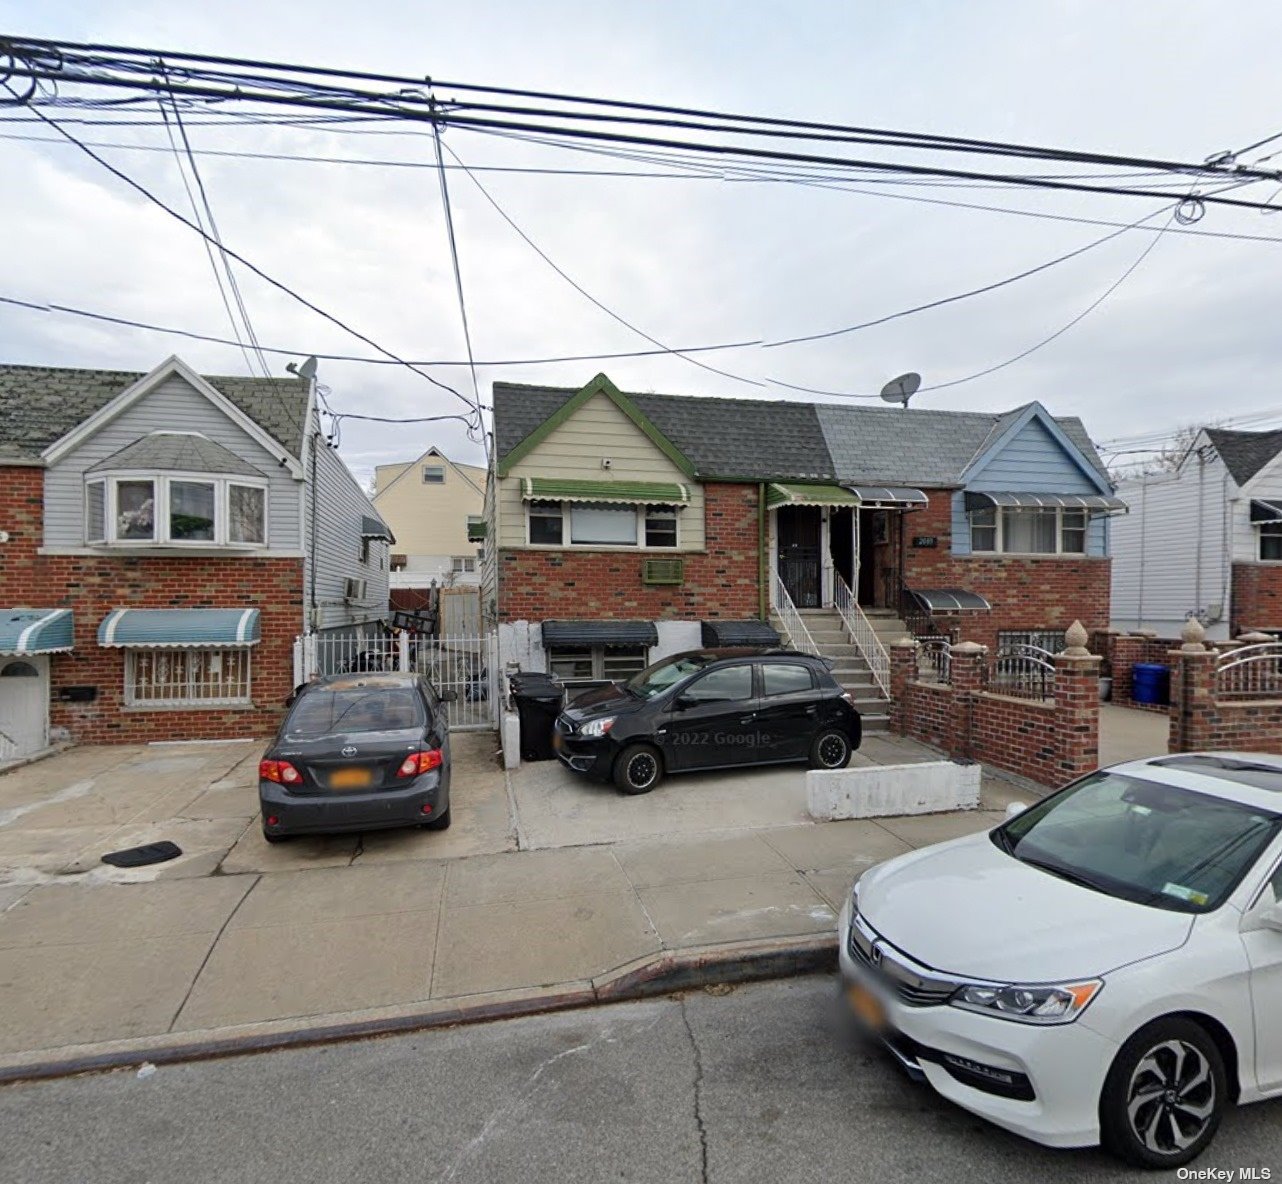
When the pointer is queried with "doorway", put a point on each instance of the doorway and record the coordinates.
(800, 530)
(879, 544)
(24, 707)
(841, 543)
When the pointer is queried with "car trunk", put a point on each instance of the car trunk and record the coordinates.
(359, 762)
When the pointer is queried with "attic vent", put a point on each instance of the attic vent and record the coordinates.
(663, 571)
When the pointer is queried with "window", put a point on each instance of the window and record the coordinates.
(608, 525)
(186, 678)
(545, 523)
(1051, 640)
(660, 527)
(729, 684)
(582, 664)
(175, 511)
(778, 679)
(475, 528)
(602, 525)
(433, 474)
(1271, 542)
(1015, 530)
(462, 563)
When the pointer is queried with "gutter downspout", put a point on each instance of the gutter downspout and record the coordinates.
(311, 565)
(762, 557)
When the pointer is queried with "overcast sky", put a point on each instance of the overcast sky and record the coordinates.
(1191, 334)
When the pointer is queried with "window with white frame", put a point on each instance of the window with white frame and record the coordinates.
(462, 563)
(578, 665)
(175, 510)
(433, 474)
(601, 524)
(1013, 530)
(1271, 542)
(187, 677)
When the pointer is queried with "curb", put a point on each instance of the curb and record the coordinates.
(655, 974)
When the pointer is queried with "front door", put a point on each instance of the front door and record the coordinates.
(24, 707)
(800, 529)
(713, 721)
(841, 543)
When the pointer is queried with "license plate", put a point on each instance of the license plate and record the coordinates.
(349, 779)
(866, 1006)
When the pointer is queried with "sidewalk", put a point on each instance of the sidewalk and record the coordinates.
(380, 931)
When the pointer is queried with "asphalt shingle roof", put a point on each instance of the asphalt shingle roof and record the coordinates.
(41, 404)
(184, 452)
(1245, 453)
(761, 439)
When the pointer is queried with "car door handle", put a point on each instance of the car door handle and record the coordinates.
(747, 719)
(811, 709)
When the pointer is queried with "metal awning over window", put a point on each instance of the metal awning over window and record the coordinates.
(1091, 503)
(1265, 513)
(637, 493)
(599, 633)
(950, 600)
(35, 631)
(172, 628)
(374, 528)
(719, 633)
(793, 494)
(891, 497)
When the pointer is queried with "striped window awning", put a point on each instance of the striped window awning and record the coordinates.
(950, 600)
(636, 493)
(174, 628)
(893, 497)
(796, 494)
(1091, 503)
(35, 631)
(1265, 513)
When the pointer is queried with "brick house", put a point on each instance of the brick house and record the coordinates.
(624, 527)
(163, 539)
(1205, 540)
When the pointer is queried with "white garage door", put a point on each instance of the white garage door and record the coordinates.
(24, 706)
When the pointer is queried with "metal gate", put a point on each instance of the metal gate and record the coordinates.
(463, 664)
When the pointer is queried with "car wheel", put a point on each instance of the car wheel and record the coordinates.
(638, 769)
(1164, 1096)
(830, 750)
(441, 822)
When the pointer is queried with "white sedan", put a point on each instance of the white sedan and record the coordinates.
(1104, 967)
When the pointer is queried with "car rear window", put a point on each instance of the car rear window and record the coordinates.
(781, 679)
(360, 709)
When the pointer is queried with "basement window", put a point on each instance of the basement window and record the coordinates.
(583, 665)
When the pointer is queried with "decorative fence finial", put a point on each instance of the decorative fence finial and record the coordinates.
(1193, 635)
(1076, 637)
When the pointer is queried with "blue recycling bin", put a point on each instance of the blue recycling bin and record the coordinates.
(1150, 683)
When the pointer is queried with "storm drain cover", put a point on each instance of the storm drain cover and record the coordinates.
(142, 856)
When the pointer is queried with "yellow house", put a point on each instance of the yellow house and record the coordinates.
(434, 507)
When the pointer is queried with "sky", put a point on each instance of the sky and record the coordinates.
(1189, 336)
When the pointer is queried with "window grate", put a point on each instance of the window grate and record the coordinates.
(187, 678)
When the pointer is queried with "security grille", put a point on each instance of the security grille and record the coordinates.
(187, 678)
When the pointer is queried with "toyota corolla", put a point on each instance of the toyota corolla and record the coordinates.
(1104, 967)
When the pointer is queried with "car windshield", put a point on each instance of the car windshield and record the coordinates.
(656, 679)
(360, 709)
(1140, 840)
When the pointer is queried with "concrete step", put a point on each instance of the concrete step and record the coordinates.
(873, 724)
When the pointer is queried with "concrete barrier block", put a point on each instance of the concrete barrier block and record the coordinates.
(511, 740)
(881, 791)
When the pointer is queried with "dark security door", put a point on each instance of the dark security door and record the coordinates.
(799, 530)
(713, 721)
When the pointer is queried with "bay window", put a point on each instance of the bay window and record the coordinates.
(1014, 530)
(601, 524)
(175, 510)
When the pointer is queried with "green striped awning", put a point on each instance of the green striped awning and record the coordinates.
(637, 493)
(171, 628)
(35, 631)
(792, 494)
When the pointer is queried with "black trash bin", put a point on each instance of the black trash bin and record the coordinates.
(538, 698)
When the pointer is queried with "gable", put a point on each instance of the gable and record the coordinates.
(1034, 456)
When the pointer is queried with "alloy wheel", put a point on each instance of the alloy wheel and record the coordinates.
(832, 750)
(1171, 1100)
(642, 769)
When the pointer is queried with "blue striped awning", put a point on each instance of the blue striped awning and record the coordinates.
(175, 627)
(35, 631)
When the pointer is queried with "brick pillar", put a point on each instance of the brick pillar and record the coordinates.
(1077, 713)
(1126, 650)
(969, 677)
(903, 670)
(1192, 691)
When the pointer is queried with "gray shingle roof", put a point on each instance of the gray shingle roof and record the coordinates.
(762, 439)
(1245, 453)
(185, 452)
(41, 404)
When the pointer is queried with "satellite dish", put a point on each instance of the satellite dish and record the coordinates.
(901, 389)
(306, 371)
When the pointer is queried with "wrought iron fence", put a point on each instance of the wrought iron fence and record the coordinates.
(1250, 672)
(1023, 671)
(935, 660)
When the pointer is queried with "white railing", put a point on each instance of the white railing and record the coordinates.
(465, 665)
(1250, 672)
(798, 635)
(862, 633)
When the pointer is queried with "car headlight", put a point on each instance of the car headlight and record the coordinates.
(597, 727)
(1056, 1004)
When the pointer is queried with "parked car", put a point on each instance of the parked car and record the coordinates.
(1105, 966)
(709, 709)
(358, 751)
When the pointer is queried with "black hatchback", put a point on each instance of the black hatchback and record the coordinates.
(358, 752)
(709, 709)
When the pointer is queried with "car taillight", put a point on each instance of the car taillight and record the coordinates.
(420, 762)
(281, 772)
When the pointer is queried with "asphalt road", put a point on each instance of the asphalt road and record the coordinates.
(765, 1083)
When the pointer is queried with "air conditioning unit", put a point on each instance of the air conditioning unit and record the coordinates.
(353, 590)
(663, 571)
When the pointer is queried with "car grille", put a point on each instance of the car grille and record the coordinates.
(894, 970)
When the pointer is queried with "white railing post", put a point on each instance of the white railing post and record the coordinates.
(793, 625)
(403, 651)
(862, 633)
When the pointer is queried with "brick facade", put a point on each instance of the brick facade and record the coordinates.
(92, 585)
(722, 581)
(1256, 597)
(1039, 592)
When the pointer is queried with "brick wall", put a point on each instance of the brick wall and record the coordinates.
(1203, 719)
(1049, 592)
(723, 581)
(91, 586)
(1256, 597)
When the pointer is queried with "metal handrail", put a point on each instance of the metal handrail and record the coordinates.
(1027, 671)
(862, 633)
(936, 655)
(798, 635)
(1250, 671)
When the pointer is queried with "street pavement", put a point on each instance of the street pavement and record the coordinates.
(763, 1084)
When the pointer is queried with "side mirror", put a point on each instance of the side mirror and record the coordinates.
(1013, 809)
(681, 702)
(1271, 917)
